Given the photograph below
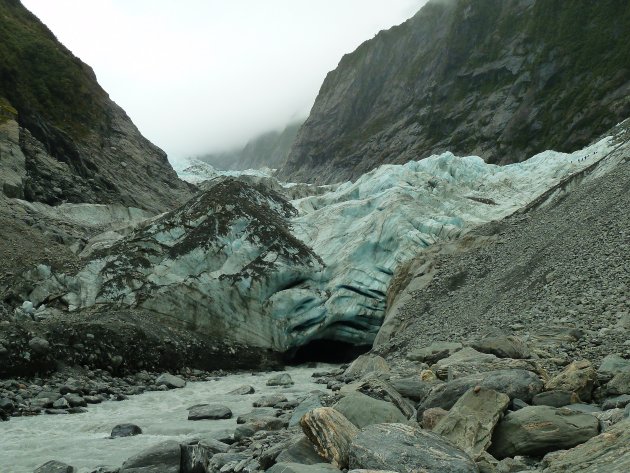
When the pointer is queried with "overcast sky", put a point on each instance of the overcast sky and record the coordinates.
(206, 75)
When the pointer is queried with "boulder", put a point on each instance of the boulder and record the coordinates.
(407, 449)
(257, 413)
(209, 411)
(432, 417)
(161, 458)
(301, 450)
(39, 345)
(578, 377)
(536, 430)
(612, 365)
(557, 398)
(261, 423)
(469, 361)
(434, 352)
(300, 468)
(412, 387)
(380, 389)
(519, 384)
(74, 400)
(331, 433)
(311, 402)
(366, 364)
(170, 381)
(607, 452)
(470, 422)
(243, 390)
(125, 430)
(616, 402)
(364, 410)
(282, 379)
(503, 346)
(270, 400)
(55, 467)
(619, 384)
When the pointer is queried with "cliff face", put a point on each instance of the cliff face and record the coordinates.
(63, 138)
(503, 79)
(267, 150)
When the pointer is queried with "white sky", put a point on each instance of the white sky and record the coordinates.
(206, 75)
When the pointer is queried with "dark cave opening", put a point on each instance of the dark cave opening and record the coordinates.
(325, 351)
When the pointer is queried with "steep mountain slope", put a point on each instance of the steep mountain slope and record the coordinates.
(267, 150)
(502, 79)
(61, 137)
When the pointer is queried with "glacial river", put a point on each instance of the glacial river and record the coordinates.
(81, 440)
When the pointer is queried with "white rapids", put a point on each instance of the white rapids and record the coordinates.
(81, 440)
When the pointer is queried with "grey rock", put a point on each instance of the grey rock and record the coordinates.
(55, 467)
(619, 384)
(307, 405)
(616, 402)
(519, 384)
(61, 403)
(364, 410)
(607, 452)
(434, 352)
(301, 451)
(162, 458)
(257, 413)
(557, 398)
(612, 365)
(260, 423)
(39, 345)
(406, 449)
(6, 405)
(503, 346)
(282, 379)
(412, 387)
(170, 381)
(125, 430)
(219, 460)
(75, 400)
(537, 430)
(469, 361)
(578, 377)
(331, 433)
(470, 422)
(366, 364)
(432, 417)
(209, 411)
(300, 468)
(270, 400)
(380, 389)
(243, 390)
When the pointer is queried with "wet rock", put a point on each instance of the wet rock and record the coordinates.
(470, 422)
(607, 452)
(6, 405)
(331, 433)
(364, 410)
(503, 346)
(432, 417)
(366, 364)
(61, 403)
(55, 467)
(270, 400)
(74, 400)
(536, 430)
(434, 352)
(300, 468)
(557, 398)
(170, 381)
(162, 458)
(519, 384)
(578, 377)
(282, 379)
(243, 390)
(209, 411)
(406, 449)
(125, 430)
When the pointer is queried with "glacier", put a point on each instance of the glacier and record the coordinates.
(277, 265)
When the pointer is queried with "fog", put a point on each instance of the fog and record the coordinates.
(199, 76)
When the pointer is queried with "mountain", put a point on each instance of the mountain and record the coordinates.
(502, 79)
(269, 150)
(62, 139)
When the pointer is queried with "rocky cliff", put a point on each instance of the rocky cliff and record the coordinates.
(502, 79)
(269, 150)
(61, 138)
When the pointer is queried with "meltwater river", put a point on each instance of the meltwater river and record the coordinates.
(81, 440)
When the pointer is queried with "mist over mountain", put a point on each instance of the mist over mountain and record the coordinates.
(499, 79)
